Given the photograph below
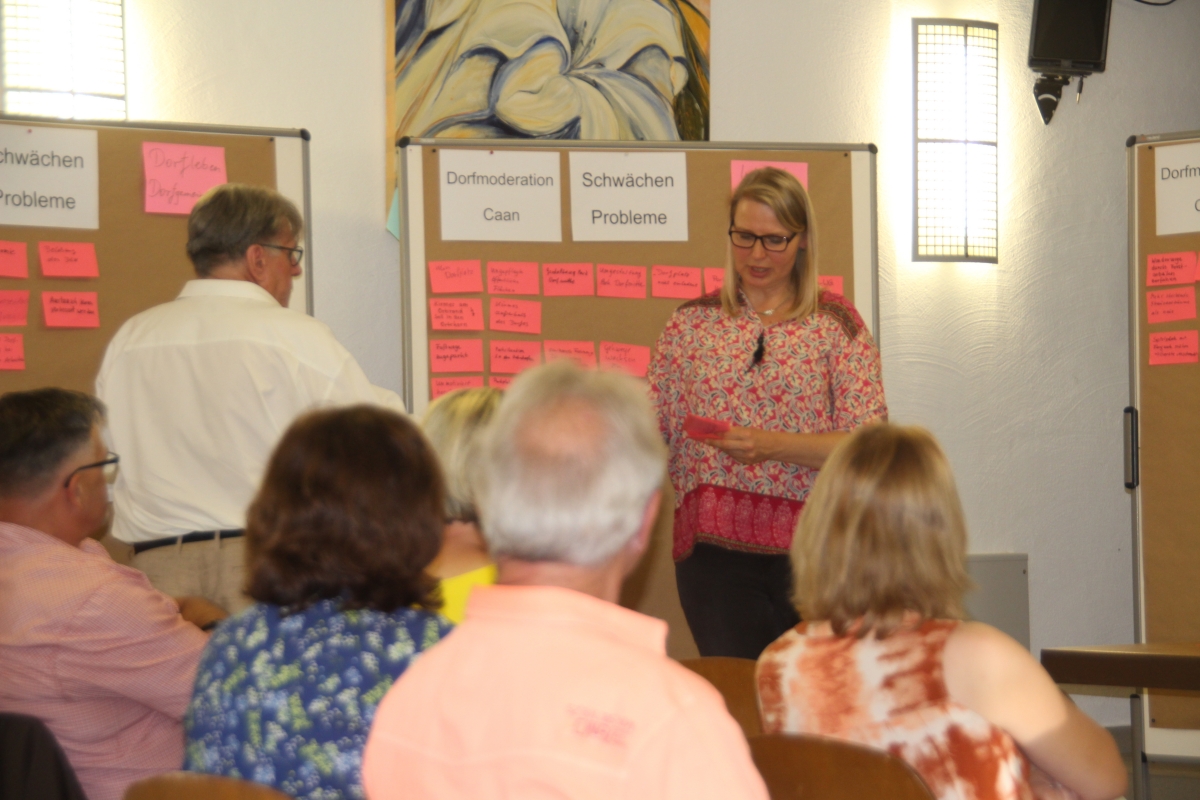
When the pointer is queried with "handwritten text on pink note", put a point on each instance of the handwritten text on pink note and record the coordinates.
(682, 283)
(178, 174)
(14, 260)
(456, 355)
(518, 316)
(14, 307)
(68, 260)
(1175, 347)
(455, 277)
(441, 386)
(12, 351)
(615, 280)
(70, 310)
(1167, 269)
(567, 280)
(512, 277)
(834, 283)
(456, 315)
(511, 357)
(500, 382)
(583, 353)
(738, 169)
(1171, 304)
(631, 358)
(714, 279)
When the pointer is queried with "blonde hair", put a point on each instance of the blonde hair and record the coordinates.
(779, 191)
(452, 424)
(882, 534)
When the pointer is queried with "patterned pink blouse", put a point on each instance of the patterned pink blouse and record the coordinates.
(890, 694)
(817, 375)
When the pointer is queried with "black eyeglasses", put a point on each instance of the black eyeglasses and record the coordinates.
(773, 242)
(109, 464)
(294, 253)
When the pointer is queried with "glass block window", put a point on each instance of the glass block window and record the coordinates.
(955, 69)
(63, 58)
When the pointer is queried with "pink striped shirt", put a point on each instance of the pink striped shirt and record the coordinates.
(93, 650)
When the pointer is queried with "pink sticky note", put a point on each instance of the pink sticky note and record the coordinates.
(512, 277)
(567, 280)
(511, 357)
(714, 279)
(68, 260)
(500, 382)
(584, 353)
(834, 283)
(679, 282)
(704, 427)
(455, 277)
(14, 308)
(12, 351)
(738, 169)
(456, 315)
(441, 386)
(14, 260)
(178, 174)
(1175, 347)
(518, 316)
(631, 358)
(70, 309)
(617, 280)
(1166, 269)
(1171, 304)
(456, 355)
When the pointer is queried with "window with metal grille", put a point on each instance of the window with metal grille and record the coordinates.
(955, 70)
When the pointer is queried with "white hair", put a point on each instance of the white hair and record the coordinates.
(568, 466)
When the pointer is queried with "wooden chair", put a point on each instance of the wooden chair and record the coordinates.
(819, 768)
(195, 786)
(734, 679)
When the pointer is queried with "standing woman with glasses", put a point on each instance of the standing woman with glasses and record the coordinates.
(791, 370)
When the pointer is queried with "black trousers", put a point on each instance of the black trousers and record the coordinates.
(735, 603)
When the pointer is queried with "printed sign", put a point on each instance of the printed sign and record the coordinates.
(615, 280)
(517, 316)
(677, 282)
(628, 197)
(456, 315)
(1175, 347)
(14, 308)
(12, 351)
(512, 357)
(583, 353)
(567, 280)
(14, 260)
(49, 177)
(454, 277)
(499, 196)
(512, 277)
(631, 358)
(441, 386)
(456, 355)
(1169, 305)
(70, 310)
(68, 260)
(1177, 188)
(1168, 269)
(177, 175)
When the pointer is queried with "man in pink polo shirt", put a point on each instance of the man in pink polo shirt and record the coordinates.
(549, 689)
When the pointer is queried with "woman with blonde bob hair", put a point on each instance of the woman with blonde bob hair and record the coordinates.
(885, 658)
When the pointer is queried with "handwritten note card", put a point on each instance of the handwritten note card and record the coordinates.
(518, 316)
(631, 358)
(511, 357)
(12, 351)
(738, 169)
(70, 310)
(512, 277)
(441, 386)
(583, 353)
(14, 260)
(1171, 304)
(567, 280)
(1175, 347)
(834, 283)
(714, 279)
(500, 382)
(456, 355)
(683, 283)
(178, 174)
(455, 277)
(1166, 269)
(456, 315)
(68, 260)
(615, 280)
(14, 307)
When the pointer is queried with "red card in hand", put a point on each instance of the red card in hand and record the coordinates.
(704, 428)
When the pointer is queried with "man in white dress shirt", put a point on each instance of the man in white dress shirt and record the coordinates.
(200, 389)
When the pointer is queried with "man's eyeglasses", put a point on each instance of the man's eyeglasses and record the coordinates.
(109, 464)
(772, 242)
(294, 253)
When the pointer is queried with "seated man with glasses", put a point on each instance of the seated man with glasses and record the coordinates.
(86, 645)
(200, 389)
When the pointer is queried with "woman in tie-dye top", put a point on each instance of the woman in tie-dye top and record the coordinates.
(348, 517)
(885, 660)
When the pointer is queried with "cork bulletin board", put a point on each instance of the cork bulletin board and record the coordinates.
(140, 256)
